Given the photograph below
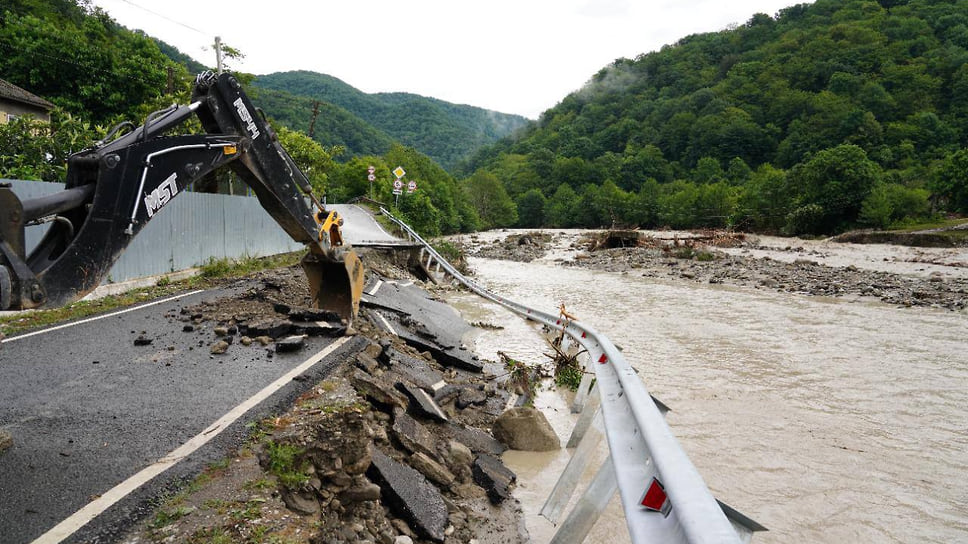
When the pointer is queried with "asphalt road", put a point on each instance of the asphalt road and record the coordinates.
(360, 228)
(87, 409)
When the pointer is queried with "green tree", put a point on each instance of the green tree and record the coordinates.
(837, 180)
(950, 181)
(488, 196)
(531, 207)
(309, 156)
(561, 210)
(35, 150)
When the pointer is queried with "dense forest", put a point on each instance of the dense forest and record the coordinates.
(445, 132)
(826, 116)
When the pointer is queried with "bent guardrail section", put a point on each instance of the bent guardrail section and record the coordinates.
(663, 495)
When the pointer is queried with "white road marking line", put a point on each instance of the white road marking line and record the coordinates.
(80, 518)
(372, 292)
(88, 320)
(387, 324)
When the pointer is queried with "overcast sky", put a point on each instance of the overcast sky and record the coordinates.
(513, 56)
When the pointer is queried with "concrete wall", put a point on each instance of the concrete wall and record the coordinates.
(186, 233)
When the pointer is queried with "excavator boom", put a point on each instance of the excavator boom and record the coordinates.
(114, 188)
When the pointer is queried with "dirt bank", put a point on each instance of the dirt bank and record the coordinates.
(393, 447)
(722, 258)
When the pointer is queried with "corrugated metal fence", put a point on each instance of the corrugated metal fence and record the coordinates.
(186, 233)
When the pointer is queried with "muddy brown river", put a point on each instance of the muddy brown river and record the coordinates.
(826, 420)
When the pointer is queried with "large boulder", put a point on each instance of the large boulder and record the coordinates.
(526, 428)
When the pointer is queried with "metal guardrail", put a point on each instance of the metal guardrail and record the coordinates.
(663, 495)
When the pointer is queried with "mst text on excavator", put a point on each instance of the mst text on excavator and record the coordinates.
(117, 185)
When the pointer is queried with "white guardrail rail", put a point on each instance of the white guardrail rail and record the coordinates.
(664, 497)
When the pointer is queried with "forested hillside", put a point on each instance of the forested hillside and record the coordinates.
(99, 73)
(334, 126)
(446, 132)
(820, 118)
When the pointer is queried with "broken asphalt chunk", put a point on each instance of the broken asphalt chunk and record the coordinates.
(477, 440)
(452, 357)
(410, 496)
(421, 403)
(273, 328)
(290, 344)
(412, 435)
(496, 479)
(377, 391)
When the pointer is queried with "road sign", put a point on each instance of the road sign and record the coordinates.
(399, 172)
(371, 177)
(411, 186)
(397, 191)
(397, 184)
(370, 169)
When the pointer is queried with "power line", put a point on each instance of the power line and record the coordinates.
(169, 19)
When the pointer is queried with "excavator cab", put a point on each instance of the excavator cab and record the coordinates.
(115, 187)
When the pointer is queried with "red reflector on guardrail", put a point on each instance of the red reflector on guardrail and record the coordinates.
(603, 359)
(655, 498)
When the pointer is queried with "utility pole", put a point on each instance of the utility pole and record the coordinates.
(218, 54)
(312, 123)
(171, 81)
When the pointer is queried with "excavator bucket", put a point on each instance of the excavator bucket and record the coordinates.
(335, 281)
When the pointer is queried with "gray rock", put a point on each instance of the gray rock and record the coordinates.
(496, 479)
(367, 363)
(300, 502)
(469, 396)
(412, 435)
(526, 428)
(459, 454)
(366, 492)
(220, 347)
(410, 496)
(433, 470)
(6, 440)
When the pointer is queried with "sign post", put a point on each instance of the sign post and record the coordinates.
(371, 177)
(399, 172)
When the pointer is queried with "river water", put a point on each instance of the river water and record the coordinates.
(825, 420)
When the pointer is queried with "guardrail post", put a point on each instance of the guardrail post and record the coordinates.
(592, 409)
(589, 508)
(568, 480)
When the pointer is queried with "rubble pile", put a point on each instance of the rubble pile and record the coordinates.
(516, 247)
(394, 447)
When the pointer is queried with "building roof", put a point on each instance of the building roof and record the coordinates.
(12, 92)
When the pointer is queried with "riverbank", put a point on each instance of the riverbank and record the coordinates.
(923, 277)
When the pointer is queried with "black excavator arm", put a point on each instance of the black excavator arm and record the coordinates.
(114, 188)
